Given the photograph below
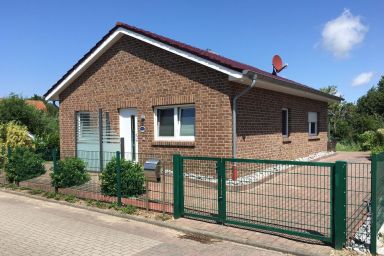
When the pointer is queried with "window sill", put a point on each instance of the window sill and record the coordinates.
(286, 140)
(175, 143)
(313, 137)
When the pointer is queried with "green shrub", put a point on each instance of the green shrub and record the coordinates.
(128, 209)
(16, 136)
(69, 172)
(377, 149)
(352, 146)
(24, 164)
(70, 198)
(372, 140)
(132, 179)
(3, 155)
(368, 140)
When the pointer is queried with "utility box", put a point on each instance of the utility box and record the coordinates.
(152, 170)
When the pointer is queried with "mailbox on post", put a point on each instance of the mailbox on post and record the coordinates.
(152, 170)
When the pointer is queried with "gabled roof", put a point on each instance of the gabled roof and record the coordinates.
(208, 58)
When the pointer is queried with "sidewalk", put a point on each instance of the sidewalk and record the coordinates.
(263, 240)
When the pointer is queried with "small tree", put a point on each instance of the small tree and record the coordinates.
(132, 179)
(24, 164)
(69, 172)
(17, 135)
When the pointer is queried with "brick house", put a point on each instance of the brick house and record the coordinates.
(163, 96)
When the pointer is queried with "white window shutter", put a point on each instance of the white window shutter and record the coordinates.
(312, 117)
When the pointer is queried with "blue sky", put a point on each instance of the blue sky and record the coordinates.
(324, 42)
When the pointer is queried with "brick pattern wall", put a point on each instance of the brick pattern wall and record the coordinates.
(135, 74)
(260, 125)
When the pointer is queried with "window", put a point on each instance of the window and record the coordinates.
(83, 123)
(284, 122)
(312, 123)
(175, 123)
(165, 122)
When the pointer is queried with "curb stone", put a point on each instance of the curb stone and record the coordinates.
(297, 251)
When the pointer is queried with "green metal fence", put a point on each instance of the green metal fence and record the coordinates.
(157, 196)
(377, 200)
(294, 198)
(324, 201)
(358, 196)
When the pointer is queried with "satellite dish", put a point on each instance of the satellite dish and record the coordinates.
(277, 64)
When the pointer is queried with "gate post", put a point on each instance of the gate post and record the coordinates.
(178, 187)
(118, 177)
(339, 187)
(221, 187)
(373, 246)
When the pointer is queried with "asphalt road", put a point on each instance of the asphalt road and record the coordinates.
(35, 227)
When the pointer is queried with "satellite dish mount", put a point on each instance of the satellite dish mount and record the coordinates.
(277, 64)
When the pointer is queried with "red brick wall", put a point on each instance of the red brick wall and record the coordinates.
(134, 74)
(260, 125)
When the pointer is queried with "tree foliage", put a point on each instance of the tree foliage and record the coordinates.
(44, 126)
(14, 135)
(361, 123)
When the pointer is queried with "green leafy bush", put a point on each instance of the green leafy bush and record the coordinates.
(372, 140)
(132, 179)
(15, 135)
(69, 172)
(377, 149)
(345, 146)
(128, 209)
(24, 164)
(368, 140)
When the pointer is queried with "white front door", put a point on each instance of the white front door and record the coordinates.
(128, 131)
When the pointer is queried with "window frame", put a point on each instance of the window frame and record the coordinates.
(287, 124)
(176, 121)
(316, 124)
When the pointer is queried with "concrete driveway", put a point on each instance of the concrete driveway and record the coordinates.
(35, 227)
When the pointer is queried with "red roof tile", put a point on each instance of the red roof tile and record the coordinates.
(38, 104)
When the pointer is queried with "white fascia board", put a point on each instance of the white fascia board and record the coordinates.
(293, 91)
(117, 35)
(283, 89)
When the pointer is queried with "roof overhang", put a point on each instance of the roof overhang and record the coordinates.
(114, 37)
(264, 81)
(287, 88)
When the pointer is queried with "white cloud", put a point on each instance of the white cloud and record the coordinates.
(340, 35)
(362, 79)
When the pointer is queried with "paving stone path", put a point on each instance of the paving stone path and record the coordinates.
(34, 227)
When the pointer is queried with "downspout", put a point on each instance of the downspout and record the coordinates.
(54, 103)
(234, 123)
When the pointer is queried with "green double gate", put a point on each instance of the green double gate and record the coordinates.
(304, 199)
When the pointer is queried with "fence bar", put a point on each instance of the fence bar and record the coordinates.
(220, 166)
(177, 187)
(118, 177)
(339, 188)
(54, 160)
(101, 138)
(9, 152)
(373, 246)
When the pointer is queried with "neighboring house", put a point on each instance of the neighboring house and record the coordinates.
(163, 97)
(38, 104)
